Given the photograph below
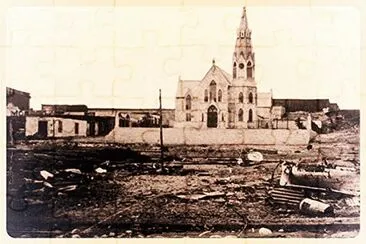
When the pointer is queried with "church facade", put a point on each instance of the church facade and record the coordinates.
(221, 100)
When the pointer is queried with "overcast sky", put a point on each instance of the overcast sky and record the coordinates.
(120, 57)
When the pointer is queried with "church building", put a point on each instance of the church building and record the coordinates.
(221, 100)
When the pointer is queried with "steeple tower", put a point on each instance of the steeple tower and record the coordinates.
(243, 57)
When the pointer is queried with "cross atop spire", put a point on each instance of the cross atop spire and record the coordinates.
(244, 12)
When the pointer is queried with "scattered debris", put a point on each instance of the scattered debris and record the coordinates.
(254, 157)
(45, 174)
(100, 170)
(239, 161)
(264, 232)
(222, 181)
(47, 184)
(68, 188)
(205, 195)
(324, 177)
(353, 202)
(75, 171)
(203, 173)
(312, 207)
(214, 194)
(204, 233)
(286, 196)
(76, 181)
(215, 236)
(106, 163)
(299, 182)
(129, 233)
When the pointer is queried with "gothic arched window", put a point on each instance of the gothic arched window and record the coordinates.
(206, 96)
(250, 97)
(188, 102)
(249, 70)
(241, 97)
(213, 91)
(188, 117)
(240, 115)
(219, 95)
(250, 116)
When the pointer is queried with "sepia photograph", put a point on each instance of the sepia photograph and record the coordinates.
(182, 121)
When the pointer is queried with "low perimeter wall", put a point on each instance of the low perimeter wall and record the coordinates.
(212, 136)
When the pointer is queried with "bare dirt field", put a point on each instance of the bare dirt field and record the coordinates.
(99, 190)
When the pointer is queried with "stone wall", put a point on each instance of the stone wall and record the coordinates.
(214, 136)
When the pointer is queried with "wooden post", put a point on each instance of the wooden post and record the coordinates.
(10, 130)
(161, 131)
(53, 127)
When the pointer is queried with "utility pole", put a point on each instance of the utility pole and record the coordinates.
(53, 127)
(10, 130)
(161, 132)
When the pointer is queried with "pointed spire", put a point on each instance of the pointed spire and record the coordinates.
(244, 12)
(213, 61)
(243, 47)
(244, 19)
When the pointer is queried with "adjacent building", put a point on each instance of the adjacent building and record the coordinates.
(17, 102)
(17, 106)
(42, 127)
(54, 109)
(308, 105)
(129, 117)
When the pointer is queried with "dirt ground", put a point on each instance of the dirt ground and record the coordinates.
(205, 193)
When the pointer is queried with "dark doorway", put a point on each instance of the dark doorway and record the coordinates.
(212, 117)
(42, 128)
(250, 118)
(76, 128)
(91, 128)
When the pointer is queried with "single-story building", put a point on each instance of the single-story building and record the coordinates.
(42, 127)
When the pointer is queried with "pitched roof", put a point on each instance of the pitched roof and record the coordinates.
(186, 84)
(226, 74)
(215, 68)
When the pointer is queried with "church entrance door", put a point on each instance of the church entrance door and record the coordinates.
(212, 117)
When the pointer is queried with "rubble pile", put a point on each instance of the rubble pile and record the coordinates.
(339, 120)
(315, 189)
(202, 191)
(327, 122)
